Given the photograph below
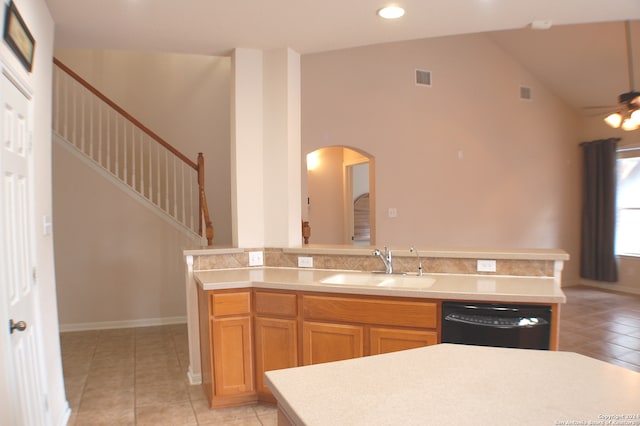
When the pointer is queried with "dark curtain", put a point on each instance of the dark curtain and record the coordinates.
(597, 256)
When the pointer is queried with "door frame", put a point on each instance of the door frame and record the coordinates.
(348, 199)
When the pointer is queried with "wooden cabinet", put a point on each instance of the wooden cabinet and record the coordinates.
(247, 332)
(276, 335)
(338, 327)
(233, 369)
(324, 342)
(385, 340)
(228, 346)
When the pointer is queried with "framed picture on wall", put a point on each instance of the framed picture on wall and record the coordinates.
(18, 36)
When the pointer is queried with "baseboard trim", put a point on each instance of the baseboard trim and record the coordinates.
(610, 287)
(194, 379)
(65, 415)
(106, 325)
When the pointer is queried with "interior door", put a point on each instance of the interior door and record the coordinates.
(19, 333)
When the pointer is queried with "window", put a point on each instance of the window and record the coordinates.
(628, 203)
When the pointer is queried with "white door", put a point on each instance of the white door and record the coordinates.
(19, 333)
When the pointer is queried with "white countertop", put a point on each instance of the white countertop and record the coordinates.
(457, 385)
(437, 286)
(425, 252)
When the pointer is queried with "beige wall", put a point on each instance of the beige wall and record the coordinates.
(465, 162)
(183, 98)
(325, 210)
(628, 276)
(117, 263)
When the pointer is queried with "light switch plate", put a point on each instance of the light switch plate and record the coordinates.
(305, 262)
(486, 265)
(256, 258)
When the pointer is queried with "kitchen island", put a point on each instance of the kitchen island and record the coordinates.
(450, 384)
(252, 310)
(254, 320)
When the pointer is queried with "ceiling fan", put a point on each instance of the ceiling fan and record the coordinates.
(627, 117)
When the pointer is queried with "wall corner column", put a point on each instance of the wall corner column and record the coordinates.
(265, 148)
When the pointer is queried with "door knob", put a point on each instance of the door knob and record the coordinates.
(20, 326)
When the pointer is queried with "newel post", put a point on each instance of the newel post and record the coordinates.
(202, 201)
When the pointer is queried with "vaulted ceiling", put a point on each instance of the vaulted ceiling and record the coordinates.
(582, 58)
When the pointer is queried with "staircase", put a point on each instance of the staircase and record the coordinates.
(111, 138)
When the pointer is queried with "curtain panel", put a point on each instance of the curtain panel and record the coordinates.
(597, 254)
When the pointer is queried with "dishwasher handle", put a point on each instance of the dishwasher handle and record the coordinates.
(497, 321)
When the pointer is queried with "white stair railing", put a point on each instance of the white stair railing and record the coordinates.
(135, 155)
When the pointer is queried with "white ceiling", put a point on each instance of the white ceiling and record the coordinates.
(585, 64)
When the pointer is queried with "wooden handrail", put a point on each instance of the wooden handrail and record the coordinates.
(203, 207)
(124, 113)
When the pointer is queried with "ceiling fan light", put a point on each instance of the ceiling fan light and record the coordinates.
(635, 117)
(614, 120)
(632, 122)
(629, 125)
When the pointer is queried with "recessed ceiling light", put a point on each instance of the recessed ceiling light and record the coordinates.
(391, 12)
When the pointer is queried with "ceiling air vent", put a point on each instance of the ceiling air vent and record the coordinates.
(525, 93)
(423, 78)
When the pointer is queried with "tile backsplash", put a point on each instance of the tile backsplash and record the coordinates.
(277, 257)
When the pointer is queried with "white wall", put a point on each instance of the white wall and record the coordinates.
(247, 148)
(465, 162)
(182, 98)
(37, 17)
(265, 148)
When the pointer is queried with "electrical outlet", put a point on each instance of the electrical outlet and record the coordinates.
(305, 262)
(393, 212)
(486, 265)
(256, 258)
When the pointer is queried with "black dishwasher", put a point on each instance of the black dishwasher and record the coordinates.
(507, 326)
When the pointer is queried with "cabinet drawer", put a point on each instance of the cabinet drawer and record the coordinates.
(223, 304)
(277, 304)
(371, 311)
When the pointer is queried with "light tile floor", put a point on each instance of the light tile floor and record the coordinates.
(137, 376)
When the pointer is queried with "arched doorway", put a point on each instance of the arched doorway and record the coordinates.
(340, 196)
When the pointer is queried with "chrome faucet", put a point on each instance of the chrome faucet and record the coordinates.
(386, 259)
(419, 261)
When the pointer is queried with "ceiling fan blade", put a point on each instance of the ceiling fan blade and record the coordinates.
(598, 114)
(602, 107)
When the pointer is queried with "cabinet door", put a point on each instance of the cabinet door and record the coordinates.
(385, 340)
(323, 342)
(276, 347)
(232, 354)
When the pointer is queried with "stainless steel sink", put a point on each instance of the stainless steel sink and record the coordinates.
(380, 280)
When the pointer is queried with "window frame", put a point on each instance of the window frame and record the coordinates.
(629, 151)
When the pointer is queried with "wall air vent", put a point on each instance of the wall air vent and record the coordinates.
(423, 78)
(525, 93)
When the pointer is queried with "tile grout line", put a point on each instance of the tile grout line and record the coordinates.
(86, 380)
(175, 352)
(135, 366)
